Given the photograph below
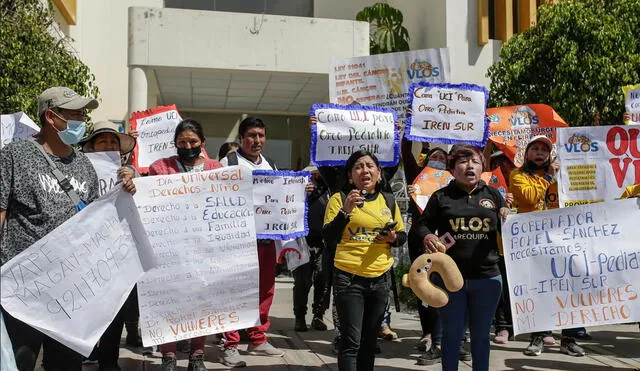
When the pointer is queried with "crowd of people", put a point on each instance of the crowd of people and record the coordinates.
(354, 226)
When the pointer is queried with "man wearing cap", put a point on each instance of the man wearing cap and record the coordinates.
(310, 273)
(35, 199)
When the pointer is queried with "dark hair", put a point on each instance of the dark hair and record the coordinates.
(436, 149)
(351, 161)
(463, 150)
(250, 122)
(190, 125)
(225, 148)
(497, 160)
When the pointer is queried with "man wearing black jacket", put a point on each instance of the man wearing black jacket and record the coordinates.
(311, 273)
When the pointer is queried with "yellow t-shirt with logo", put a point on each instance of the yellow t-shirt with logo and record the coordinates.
(357, 252)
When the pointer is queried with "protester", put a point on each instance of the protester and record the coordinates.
(435, 158)
(33, 202)
(530, 185)
(189, 141)
(105, 138)
(253, 136)
(469, 211)
(227, 147)
(311, 273)
(361, 231)
(502, 321)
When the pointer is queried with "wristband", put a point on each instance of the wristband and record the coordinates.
(343, 212)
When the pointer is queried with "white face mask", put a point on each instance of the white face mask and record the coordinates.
(74, 132)
(437, 165)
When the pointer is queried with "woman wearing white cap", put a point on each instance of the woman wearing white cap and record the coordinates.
(529, 185)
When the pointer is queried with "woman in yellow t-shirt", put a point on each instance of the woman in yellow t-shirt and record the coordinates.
(364, 231)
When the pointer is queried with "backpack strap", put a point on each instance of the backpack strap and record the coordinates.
(62, 179)
(391, 203)
(232, 158)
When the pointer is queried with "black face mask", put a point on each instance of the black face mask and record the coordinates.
(189, 154)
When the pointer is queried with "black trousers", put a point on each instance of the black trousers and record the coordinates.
(26, 342)
(305, 276)
(428, 315)
(503, 312)
(360, 302)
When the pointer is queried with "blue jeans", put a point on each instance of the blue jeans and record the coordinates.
(360, 303)
(478, 300)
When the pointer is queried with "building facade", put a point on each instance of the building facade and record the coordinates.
(221, 60)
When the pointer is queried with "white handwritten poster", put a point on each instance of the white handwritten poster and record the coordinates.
(448, 113)
(72, 282)
(106, 165)
(156, 129)
(382, 80)
(280, 203)
(201, 227)
(574, 267)
(632, 104)
(343, 130)
(16, 126)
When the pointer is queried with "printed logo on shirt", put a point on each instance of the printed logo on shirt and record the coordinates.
(489, 204)
(385, 212)
(50, 184)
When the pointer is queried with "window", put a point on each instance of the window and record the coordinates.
(298, 8)
(500, 19)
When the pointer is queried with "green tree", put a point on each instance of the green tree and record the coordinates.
(387, 34)
(576, 59)
(33, 58)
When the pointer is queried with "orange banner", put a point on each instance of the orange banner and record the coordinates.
(511, 128)
(430, 180)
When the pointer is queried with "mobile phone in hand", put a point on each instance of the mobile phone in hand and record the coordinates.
(388, 227)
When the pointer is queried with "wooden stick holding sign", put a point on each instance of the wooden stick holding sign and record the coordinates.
(448, 113)
(343, 130)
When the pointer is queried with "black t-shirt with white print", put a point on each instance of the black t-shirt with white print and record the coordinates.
(472, 220)
(32, 197)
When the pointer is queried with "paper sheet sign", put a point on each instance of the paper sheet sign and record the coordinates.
(512, 127)
(280, 204)
(72, 282)
(573, 267)
(382, 80)
(106, 165)
(448, 113)
(201, 226)
(343, 130)
(156, 129)
(632, 104)
(16, 126)
(597, 163)
(430, 180)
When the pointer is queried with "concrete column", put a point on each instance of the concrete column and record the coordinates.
(137, 89)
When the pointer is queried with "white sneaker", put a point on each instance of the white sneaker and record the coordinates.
(265, 349)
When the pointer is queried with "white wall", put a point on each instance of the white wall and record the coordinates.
(469, 61)
(101, 42)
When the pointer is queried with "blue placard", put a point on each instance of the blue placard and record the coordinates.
(410, 131)
(391, 161)
(286, 236)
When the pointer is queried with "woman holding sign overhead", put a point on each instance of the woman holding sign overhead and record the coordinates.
(467, 212)
(363, 223)
(189, 140)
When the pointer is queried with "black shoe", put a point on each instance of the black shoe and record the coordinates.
(133, 339)
(196, 363)
(569, 346)
(535, 346)
(318, 324)
(465, 355)
(300, 324)
(431, 357)
(169, 364)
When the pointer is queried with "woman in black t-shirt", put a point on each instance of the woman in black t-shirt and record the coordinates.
(468, 212)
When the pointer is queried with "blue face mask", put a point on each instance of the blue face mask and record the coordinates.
(437, 165)
(74, 132)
